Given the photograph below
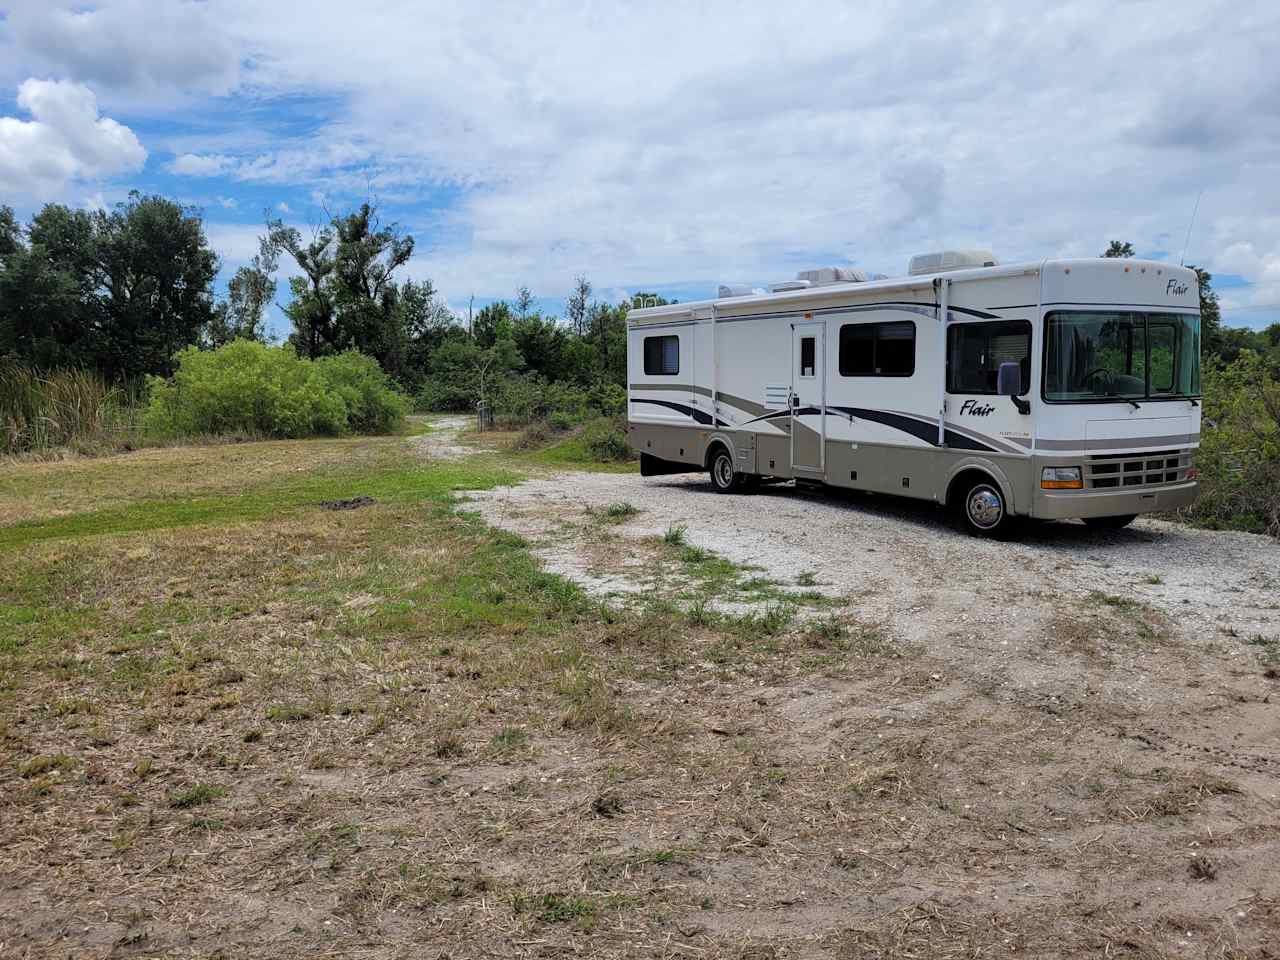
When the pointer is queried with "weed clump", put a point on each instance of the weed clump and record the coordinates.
(196, 795)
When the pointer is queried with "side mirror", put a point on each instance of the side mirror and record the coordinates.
(1009, 379)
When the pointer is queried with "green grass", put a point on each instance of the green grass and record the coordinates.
(270, 500)
(196, 795)
(573, 452)
(557, 908)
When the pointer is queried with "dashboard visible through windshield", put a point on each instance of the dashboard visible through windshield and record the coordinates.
(1121, 356)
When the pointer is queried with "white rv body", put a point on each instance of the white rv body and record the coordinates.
(815, 384)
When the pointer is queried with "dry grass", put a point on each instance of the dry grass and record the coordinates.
(385, 732)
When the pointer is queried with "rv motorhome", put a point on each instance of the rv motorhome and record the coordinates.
(1059, 389)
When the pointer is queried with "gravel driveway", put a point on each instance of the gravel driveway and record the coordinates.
(900, 561)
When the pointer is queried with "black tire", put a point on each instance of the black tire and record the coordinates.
(984, 512)
(1110, 523)
(724, 476)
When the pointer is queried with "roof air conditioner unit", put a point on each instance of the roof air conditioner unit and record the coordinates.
(948, 260)
(728, 290)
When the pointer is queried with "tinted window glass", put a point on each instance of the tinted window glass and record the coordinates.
(976, 350)
(661, 356)
(807, 351)
(878, 349)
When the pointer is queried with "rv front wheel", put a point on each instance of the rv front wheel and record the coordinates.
(983, 510)
(724, 478)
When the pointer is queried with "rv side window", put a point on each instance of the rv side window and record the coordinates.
(807, 352)
(878, 349)
(661, 356)
(976, 350)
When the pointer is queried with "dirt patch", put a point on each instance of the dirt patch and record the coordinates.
(444, 441)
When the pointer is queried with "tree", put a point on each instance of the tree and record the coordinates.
(577, 305)
(119, 291)
(10, 234)
(501, 358)
(1211, 337)
(1118, 250)
(494, 322)
(524, 302)
(44, 318)
(153, 272)
(427, 322)
(311, 308)
(249, 293)
(347, 297)
(462, 372)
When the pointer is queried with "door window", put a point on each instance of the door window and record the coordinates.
(808, 353)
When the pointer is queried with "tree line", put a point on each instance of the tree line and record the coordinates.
(120, 292)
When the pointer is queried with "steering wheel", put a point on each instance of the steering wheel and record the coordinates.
(1095, 372)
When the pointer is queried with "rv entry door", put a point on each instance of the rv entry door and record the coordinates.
(808, 395)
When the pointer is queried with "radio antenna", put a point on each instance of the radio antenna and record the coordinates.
(1196, 209)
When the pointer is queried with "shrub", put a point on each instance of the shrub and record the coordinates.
(605, 439)
(252, 388)
(1239, 456)
(373, 403)
(560, 420)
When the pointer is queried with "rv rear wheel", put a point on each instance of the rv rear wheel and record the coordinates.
(724, 478)
(983, 510)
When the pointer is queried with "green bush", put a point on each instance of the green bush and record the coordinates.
(521, 400)
(374, 405)
(1239, 456)
(251, 388)
(605, 440)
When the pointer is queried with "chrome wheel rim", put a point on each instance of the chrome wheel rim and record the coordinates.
(985, 507)
(724, 471)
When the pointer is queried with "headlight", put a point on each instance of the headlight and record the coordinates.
(1061, 478)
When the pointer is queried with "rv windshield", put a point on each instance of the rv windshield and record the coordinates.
(1092, 357)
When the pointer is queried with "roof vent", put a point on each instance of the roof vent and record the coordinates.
(821, 277)
(948, 260)
(789, 285)
(825, 275)
(729, 290)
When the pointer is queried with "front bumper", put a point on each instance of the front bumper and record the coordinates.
(1073, 504)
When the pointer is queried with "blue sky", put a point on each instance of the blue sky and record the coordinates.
(666, 147)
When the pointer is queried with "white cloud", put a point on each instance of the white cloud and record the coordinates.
(691, 142)
(66, 140)
(196, 165)
(129, 47)
(665, 143)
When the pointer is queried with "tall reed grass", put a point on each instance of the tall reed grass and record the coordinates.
(76, 410)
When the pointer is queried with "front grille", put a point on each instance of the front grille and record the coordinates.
(1127, 470)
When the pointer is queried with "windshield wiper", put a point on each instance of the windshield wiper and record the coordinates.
(1135, 403)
